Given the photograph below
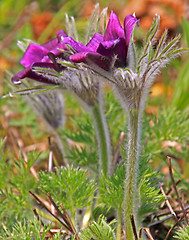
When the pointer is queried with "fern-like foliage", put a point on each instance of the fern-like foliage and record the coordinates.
(151, 61)
(111, 189)
(82, 131)
(82, 134)
(182, 233)
(84, 158)
(69, 186)
(102, 209)
(99, 230)
(169, 124)
(149, 190)
(15, 182)
(28, 230)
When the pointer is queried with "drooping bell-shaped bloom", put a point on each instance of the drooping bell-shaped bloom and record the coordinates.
(113, 46)
(37, 55)
(100, 50)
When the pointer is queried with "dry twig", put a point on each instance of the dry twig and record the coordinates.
(175, 188)
(133, 226)
(42, 224)
(169, 205)
(42, 204)
(147, 230)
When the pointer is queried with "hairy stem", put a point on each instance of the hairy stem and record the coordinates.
(103, 138)
(130, 196)
(119, 224)
(72, 210)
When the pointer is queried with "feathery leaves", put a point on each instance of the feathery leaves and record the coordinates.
(99, 230)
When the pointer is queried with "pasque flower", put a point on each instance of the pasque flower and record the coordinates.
(65, 62)
(112, 47)
(115, 60)
(109, 58)
(102, 50)
(37, 56)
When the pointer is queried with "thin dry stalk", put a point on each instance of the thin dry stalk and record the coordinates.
(42, 224)
(38, 218)
(170, 230)
(63, 216)
(147, 230)
(172, 187)
(42, 204)
(166, 218)
(23, 18)
(169, 205)
(134, 226)
(69, 220)
(175, 188)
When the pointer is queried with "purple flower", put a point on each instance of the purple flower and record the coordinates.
(38, 56)
(102, 50)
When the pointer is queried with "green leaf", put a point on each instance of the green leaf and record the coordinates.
(99, 230)
(149, 189)
(31, 90)
(69, 186)
(83, 131)
(111, 189)
(84, 157)
(15, 182)
(170, 45)
(27, 230)
(93, 23)
(102, 18)
(161, 43)
(169, 125)
(152, 32)
(71, 28)
(182, 233)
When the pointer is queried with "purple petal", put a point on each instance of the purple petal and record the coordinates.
(93, 44)
(92, 59)
(20, 75)
(78, 47)
(114, 29)
(50, 44)
(44, 65)
(99, 60)
(129, 24)
(61, 35)
(34, 53)
(79, 57)
(29, 73)
(56, 51)
(114, 48)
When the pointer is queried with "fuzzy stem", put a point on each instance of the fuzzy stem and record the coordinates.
(103, 139)
(130, 196)
(72, 210)
(119, 224)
